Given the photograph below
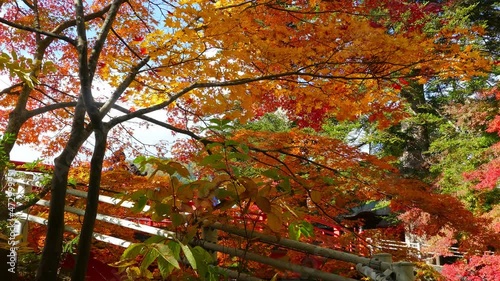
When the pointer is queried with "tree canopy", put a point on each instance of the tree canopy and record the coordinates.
(214, 68)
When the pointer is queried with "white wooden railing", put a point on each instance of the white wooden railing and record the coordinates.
(30, 180)
(420, 249)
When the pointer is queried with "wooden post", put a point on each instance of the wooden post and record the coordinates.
(21, 225)
(22, 191)
(403, 271)
(374, 269)
(384, 257)
(209, 234)
(419, 249)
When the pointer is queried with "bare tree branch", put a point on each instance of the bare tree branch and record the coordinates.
(38, 31)
(99, 44)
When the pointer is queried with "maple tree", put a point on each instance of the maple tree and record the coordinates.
(202, 59)
(477, 268)
(448, 138)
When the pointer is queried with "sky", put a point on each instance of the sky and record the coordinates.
(152, 135)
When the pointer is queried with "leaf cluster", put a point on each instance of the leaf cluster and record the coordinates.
(166, 255)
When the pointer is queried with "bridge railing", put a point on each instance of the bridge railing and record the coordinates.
(377, 267)
(420, 249)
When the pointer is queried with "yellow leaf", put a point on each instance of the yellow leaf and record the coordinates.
(274, 222)
(249, 185)
(123, 263)
(133, 272)
(315, 196)
(263, 203)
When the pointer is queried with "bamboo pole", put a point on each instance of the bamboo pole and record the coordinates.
(304, 247)
(306, 271)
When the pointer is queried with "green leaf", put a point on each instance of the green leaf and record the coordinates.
(307, 229)
(133, 251)
(382, 204)
(223, 193)
(137, 194)
(29, 80)
(155, 239)
(284, 185)
(72, 181)
(179, 169)
(211, 159)
(189, 255)
(271, 173)
(213, 273)
(164, 267)
(213, 144)
(176, 249)
(166, 253)
(140, 204)
(49, 66)
(238, 156)
(133, 272)
(149, 258)
(140, 159)
(147, 274)
(177, 219)
(220, 122)
(203, 260)
(293, 231)
(162, 209)
(328, 180)
(244, 147)
(231, 143)
(297, 229)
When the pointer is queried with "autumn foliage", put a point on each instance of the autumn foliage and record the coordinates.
(475, 268)
(210, 67)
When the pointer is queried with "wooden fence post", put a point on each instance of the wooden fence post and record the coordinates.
(383, 257)
(209, 234)
(403, 271)
(22, 190)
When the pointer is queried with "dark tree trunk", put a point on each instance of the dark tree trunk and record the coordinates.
(85, 241)
(412, 161)
(87, 67)
(52, 250)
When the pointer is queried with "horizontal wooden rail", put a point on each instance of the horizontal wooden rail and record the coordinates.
(98, 236)
(107, 199)
(303, 247)
(304, 271)
(398, 245)
(118, 221)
